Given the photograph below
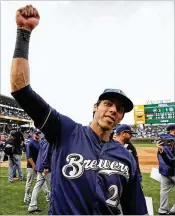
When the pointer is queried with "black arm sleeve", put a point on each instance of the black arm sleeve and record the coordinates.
(169, 161)
(47, 119)
(32, 104)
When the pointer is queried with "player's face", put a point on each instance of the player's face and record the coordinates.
(27, 134)
(127, 136)
(172, 132)
(37, 136)
(2, 138)
(108, 114)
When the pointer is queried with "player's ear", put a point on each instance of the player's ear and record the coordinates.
(95, 107)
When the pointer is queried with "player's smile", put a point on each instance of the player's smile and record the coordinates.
(110, 118)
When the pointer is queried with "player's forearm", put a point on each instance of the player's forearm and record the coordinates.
(31, 162)
(31, 102)
(20, 77)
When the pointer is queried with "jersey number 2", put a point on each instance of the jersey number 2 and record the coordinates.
(113, 200)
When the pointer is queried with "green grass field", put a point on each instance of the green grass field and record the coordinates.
(12, 194)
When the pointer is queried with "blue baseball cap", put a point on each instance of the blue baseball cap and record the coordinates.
(27, 131)
(124, 128)
(37, 131)
(120, 96)
(170, 127)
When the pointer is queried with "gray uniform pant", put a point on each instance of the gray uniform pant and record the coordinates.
(29, 182)
(41, 180)
(2, 154)
(166, 185)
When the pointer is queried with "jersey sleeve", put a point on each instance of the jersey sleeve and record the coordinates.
(168, 157)
(57, 126)
(32, 104)
(28, 150)
(133, 201)
(45, 118)
(46, 156)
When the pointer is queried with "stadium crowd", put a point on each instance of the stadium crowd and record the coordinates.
(150, 131)
(13, 112)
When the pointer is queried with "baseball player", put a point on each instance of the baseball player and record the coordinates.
(166, 158)
(20, 137)
(14, 151)
(90, 173)
(27, 139)
(32, 153)
(43, 168)
(2, 148)
(123, 134)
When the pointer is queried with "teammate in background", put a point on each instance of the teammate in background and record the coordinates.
(14, 151)
(32, 153)
(28, 136)
(2, 148)
(24, 143)
(166, 158)
(123, 134)
(90, 173)
(20, 138)
(43, 169)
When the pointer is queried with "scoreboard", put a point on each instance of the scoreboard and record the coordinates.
(156, 113)
(160, 113)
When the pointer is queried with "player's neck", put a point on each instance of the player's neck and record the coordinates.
(35, 139)
(103, 135)
(119, 139)
(171, 133)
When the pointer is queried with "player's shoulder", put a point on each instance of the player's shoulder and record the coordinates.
(124, 151)
(80, 128)
(31, 141)
(63, 119)
(44, 143)
(121, 149)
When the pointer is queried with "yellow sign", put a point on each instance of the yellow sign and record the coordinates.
(139, 114)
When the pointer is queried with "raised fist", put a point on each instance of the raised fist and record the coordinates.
(27, 17)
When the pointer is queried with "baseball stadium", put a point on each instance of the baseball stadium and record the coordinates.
(148, 126)
(87, 109)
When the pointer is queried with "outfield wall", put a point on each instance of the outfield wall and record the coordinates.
(144, 140)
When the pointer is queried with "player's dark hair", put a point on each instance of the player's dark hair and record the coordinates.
(98, 102)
